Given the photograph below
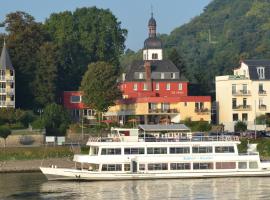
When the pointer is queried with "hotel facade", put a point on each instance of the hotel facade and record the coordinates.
(244, 95)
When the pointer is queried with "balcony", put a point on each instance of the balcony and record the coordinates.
(162, 111)
(2, 78)
(10, 79)
(202, 111)
(2, 103)
(10, 91)
(262, 107)
(242, 107)
(262, 92)
(10, 104)
(241, 93)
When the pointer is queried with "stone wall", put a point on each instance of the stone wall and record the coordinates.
(15, 140)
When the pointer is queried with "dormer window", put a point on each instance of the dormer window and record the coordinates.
(154, 56)
(140, 75)
(260, 72)
(172, 75)
(162, 75)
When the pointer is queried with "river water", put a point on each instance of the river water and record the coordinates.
(35, 186)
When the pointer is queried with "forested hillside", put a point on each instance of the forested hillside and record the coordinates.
(214, 42)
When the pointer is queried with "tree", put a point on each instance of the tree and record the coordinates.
(25, 36)
(56, 119)
(99, 86)
(177, 59)
(4, 133)
(45, 83)
(84, 36)
(240, 126)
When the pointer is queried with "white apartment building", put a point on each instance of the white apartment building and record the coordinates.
(244, 95)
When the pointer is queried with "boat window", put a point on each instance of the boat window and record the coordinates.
(176, 150)
(112, 167)
(242, 165)
(202, 165)
(141, 167)
(157, 166)
(202, 149)
(134, 151)
(225, 165)
(224, 149)
(180, 166)
(127, 167)
(253, 165)
(111, 151)
(157, 150)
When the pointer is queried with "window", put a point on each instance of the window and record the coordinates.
(11, 73)
(154, 56)
(75, 99)
(225, 165)
(135, 87)
(140, 75)
(127, 167)
(111, 167)
(233, 88)
(168, 86)
(185, 103)
(244, 102)
(253, 165)
(157, 166)
(242, 165)
(162, 75)
(202, 150)
(260, 72)
(152, 106)
(156, 150)
(157, 86)
(199, 106)
(224, 149)
(261, 90)
(180, 166)
(202, 165)
(165, 106)
(179, 150)
(12, 98)
(244, 86)
(234, 103)
(141, 167)
(12, 85)
(235, 117)
(145, 86)
(111, 151)
(244, 117)
(172, 75)
(134, 151)
(180, 86)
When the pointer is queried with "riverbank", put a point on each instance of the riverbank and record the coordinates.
(11, 166)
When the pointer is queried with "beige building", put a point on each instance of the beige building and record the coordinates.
(7, 80)
(244, 95)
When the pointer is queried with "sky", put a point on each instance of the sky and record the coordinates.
(133, 14)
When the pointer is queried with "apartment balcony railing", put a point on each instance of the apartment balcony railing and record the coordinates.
(2, 103)
(202, 111)
(242, 107)
(2, 90)
(10, 92)
(262, 107)
(156, 111)
(241, 93)
(262, 92)
(10, 104)
(2, 78)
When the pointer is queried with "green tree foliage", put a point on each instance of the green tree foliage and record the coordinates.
(11, 116)
(84, 36)
(240, 126)
(45, 83)
(56, 119)
(24, 38)
(100, 87)
(177, 59)
(4, 133)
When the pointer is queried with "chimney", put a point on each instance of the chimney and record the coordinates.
(147, 67)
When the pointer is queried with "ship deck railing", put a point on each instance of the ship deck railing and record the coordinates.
(166, 139)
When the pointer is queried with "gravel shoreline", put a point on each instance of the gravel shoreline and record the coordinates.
(11, 166)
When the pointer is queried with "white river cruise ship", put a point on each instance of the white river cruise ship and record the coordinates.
(132, 156)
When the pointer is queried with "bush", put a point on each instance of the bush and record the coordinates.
(240, 126)
(26, 140)
(38, 123)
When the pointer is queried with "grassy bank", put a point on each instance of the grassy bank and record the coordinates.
(31, 153)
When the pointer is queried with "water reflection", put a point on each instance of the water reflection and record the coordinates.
(35, 186)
